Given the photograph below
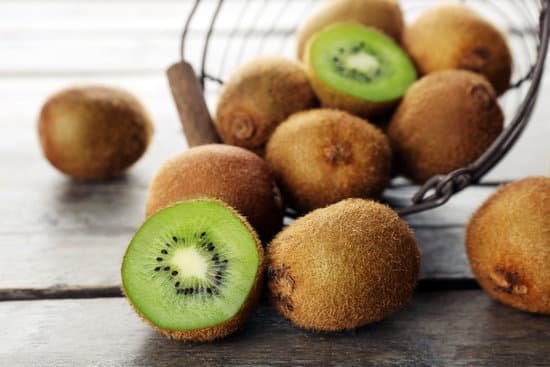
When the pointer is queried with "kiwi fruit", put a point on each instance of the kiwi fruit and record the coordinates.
(384, 15)
(194, 270)
(508, 245)
(93, 132)
(231, 174)
(358, 69)
(452, 36)
(446, 121)
(322, 156)
(343, 266)
(259, 96)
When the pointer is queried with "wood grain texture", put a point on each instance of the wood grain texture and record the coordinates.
(74, 234)
(73, 260)
(461, 328)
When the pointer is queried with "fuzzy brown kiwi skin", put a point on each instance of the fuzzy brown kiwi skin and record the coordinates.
(385, 15)
(93, 132)
(333, 98)
(508, 245)
(259, 96)
(452, 36)
(445, 121)
(236, 322)
(323, 156)
(232, 174)
(343, 266)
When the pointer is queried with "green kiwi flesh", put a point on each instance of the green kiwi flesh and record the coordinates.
(191, 267)
(361, 61)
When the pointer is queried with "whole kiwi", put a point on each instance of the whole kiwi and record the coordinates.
(452, 36)
(508, 245)
(322, 156)
(385, 15)
(228, 173)
(343, 266)
(93, 132)
(259, 96)
(445, 121)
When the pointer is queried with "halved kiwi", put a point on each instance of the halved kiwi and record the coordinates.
(358, 69)
(193, 270)
(385, 15)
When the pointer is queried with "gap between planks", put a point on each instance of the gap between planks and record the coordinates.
(31, 294)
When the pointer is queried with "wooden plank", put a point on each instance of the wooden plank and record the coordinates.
(91, 257)
(74, 234)
(458, 328)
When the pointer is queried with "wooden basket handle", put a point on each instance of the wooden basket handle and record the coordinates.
(191, 105)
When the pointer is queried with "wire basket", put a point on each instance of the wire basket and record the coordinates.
(231, 32)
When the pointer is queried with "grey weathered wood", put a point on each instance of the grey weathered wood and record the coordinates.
(75, 259)
(460, 328)
(69, 235)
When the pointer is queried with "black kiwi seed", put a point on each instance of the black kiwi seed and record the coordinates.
(209, 290)
(177, 284)
(167, 245)
(159, 258)
(174, 273)
(210, 247)
(215, 257)
(175, 239)
(157, 268)
(166, 268)
(190, 290)
(164, 252)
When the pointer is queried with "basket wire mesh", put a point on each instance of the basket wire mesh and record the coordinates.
(231, 32)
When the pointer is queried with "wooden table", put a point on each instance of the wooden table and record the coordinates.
(62, 241)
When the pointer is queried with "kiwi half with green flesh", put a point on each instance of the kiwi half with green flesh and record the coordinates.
(259, 96)
(194, 270)
(343, 266)
(322, 156)
(453, 36)
(228, 173)
(94, 132)
(358, 69)
(384, 15)
(508, 245)
(446, 121)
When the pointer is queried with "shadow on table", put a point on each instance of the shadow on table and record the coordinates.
(268, 339)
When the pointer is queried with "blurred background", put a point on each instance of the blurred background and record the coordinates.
(47, 45)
